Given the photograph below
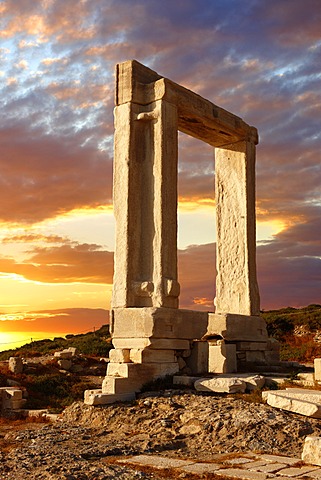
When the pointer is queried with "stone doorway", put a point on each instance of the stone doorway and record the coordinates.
(151, 335)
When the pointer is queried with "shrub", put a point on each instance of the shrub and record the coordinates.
(54, 391)
(300, 349)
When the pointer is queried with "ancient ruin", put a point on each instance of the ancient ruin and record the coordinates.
(151, 335)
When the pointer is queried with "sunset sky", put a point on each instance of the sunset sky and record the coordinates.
(259, 59)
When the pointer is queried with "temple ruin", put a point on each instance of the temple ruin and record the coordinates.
(151, 335)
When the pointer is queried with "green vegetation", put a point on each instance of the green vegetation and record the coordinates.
(282, 322)
(55, 391)
(96, 343)
(296, 330)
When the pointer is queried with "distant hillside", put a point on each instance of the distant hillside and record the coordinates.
(281, 323)
(92, 343)
(298, 330)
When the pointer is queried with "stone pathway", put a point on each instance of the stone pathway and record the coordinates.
(245, 466)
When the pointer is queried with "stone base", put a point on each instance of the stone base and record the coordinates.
(149, 322)
(233, 327)
(249, 337)
(151, 343)
(130, 377)
(197, 358)
(97, 397)
(221, 357)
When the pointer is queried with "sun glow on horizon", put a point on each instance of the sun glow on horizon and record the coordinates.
(12, 340)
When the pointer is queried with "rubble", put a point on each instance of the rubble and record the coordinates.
(84, 439)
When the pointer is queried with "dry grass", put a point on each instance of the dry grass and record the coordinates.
(300, 348)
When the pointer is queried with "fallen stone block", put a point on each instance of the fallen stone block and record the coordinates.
(280, 459)
(294, 402)
(72, 350)
(15, 365)
(11, 398)
(63, 354)
(66, 353)
(305, 379)
(252, 381)
(309, 395)
(65, 363)
(312, 450)
(13, 393)
(220, 385)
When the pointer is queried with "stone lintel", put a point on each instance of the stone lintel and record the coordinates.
(149, 322)
(197, 116)
(233, 327)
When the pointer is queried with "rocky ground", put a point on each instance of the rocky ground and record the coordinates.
(85, 441)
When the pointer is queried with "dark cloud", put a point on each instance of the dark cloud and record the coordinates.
(44, 176)
(289, 272)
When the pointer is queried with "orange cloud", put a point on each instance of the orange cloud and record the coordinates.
(49, 176)
(70, 320)
(197, 271)
(66, 263)
(30, 238)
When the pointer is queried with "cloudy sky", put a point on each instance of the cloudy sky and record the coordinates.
(259, 59)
